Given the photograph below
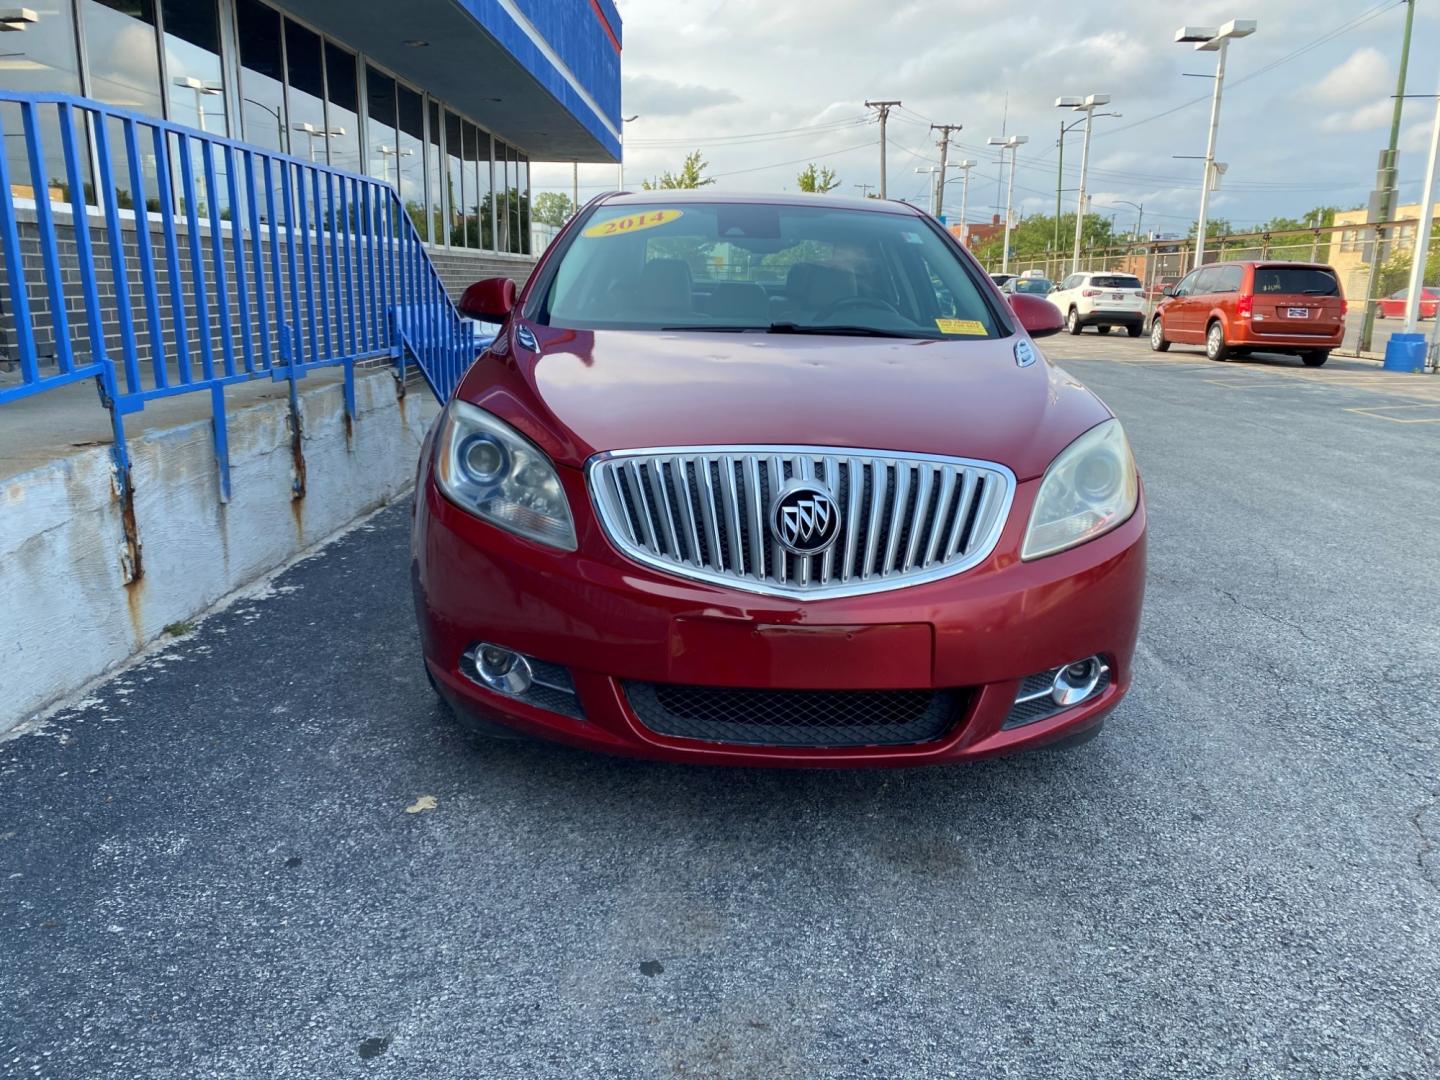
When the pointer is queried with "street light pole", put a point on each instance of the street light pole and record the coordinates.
(1212, 39)
(623, 121)
(1013, 144)
(1422, 236)
(965, 167)
(1086, 105)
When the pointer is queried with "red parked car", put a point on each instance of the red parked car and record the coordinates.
(1237, 308)
(1393, 306)
(774, 481)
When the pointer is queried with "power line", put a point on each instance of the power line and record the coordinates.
(756, 136)
(795, 161)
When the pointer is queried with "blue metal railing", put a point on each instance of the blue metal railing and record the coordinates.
(194, 262)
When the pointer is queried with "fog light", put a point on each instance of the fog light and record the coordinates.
(502, 670)
(1076, 682)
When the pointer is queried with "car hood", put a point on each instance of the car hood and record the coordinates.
(583, 392)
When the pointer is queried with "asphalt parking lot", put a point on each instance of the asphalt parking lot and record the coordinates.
(211, 867)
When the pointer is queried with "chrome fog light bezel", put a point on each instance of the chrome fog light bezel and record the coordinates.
(500, 669)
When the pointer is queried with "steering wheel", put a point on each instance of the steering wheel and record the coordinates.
(874, 303)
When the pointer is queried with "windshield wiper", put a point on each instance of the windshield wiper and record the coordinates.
(844, 331)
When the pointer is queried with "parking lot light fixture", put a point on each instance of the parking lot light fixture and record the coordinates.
(1086, 105)
(1011, 143)
(1216, 40)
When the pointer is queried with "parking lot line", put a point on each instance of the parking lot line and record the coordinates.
(1380, 411)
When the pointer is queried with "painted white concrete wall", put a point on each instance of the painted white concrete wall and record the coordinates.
(66, 612)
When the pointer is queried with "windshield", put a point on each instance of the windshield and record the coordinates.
(729, 267)
(1029, 285)
(1295, 280)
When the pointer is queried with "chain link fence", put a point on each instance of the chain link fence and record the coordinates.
(1372, 261)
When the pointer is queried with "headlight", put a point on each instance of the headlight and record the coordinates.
(1089, 489)
(490, 470)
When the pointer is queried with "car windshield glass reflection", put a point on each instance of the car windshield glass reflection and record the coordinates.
(731, 267)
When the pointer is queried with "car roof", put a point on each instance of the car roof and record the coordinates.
(1271, 262)
(705, 195)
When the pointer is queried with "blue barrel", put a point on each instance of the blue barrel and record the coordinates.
(1405, 352)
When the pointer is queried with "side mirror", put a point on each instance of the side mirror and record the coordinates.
(1040, 318)
(1169, 290)
(491, 299)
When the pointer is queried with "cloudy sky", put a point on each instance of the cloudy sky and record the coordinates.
(762, 86)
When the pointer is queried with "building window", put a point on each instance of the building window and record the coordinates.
(410, 156)
(41, 59)
(502, 196)
(262, 76)
(454, 180)
(192, 64)
(478, 232)
(342, 118)
(124, 57)
(380, 132)
(434, 174)
(524, 205)
(305, 68)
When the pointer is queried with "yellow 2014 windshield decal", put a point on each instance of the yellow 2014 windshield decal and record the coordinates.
(633, 223)
(960, 326)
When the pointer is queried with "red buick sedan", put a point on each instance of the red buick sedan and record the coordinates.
(774, 481)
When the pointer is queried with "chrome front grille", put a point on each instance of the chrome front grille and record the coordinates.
(704, 513)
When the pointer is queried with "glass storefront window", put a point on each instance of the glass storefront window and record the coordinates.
(434, 174)
(454, 180)
(502, 197)
(192, 64)
(477, 194)
(262, 76)
(382, 146)
(304, 64)
(342, 90)
(410, 158)
(41, 59)
(124, 54)
(523, 203)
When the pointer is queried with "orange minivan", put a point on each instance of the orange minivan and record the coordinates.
(1237, 308)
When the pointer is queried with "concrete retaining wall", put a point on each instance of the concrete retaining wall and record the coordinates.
(68, 614)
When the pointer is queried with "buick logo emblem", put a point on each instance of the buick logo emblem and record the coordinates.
(804, 518)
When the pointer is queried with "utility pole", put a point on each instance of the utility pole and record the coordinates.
(574, 186)
(1385, 181)
(864, 189)
(883, 108)
(1059, 181)
(945, 130)
(1211, 39)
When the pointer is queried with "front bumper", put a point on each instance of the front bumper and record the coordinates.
(610, 622)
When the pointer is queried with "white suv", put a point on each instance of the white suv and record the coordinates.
(1101, 300)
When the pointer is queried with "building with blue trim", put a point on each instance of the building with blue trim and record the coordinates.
(448, 100)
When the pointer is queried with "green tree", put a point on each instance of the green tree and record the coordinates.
(1033, 238)
(553, 208)
(818, 181)
(691, 175)
(1394, 274)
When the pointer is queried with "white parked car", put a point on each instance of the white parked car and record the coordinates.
(1101, 300)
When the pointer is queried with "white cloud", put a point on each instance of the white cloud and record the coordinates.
(1362, 77)
(1375, 115)
(651, 96)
